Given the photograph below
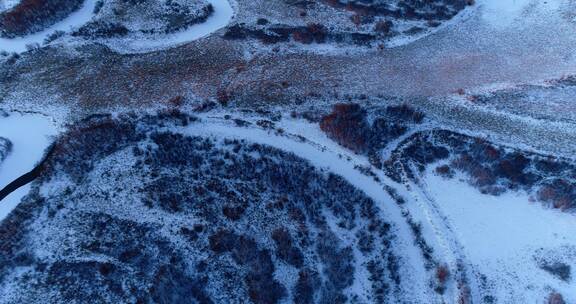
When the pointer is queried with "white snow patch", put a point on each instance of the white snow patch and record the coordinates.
(503, 236)
(30, 136)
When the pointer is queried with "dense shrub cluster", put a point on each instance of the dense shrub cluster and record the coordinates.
(490, 168)
(378, 20)
(312, 33)
(189, 219)
(560, 270)
(555, 298)
(359, 22)
(122, 18)
(262, 287)
(5, 148)
(31, 16)
(97, 137)
(101, 29)
(348, 125)
(101, 135)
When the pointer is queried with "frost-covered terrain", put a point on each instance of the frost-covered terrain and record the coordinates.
(205, 215)
(522, 250)
(5, 148)
(131, 26)
(7, 4)
(33, 40)
(23, 141)
(285, 151)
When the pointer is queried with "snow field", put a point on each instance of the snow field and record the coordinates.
(30, 135)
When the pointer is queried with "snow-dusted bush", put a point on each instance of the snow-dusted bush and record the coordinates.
(349, 126)
(5, 148)
(121, 18)
(492, 169)
(555, 298)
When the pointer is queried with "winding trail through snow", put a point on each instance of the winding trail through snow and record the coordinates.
(328, 156)
(223, 14)
(7, 4)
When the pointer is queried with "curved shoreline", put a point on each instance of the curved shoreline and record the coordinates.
(220, 18)
(223, 13)
(29, 134)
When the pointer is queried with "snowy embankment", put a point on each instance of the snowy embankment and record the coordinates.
(504, 243)
(307, 141)
(30, 136)
(510, 240)
(77, 18)
(223, 13)
(7, 4)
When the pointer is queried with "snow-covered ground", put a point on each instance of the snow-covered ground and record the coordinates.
(502, 12)
(508, 238)
(505, 239)
(7, 4)
(325, 154)
(30, 135)
(501, 241)
(223, 13)
(77, 18)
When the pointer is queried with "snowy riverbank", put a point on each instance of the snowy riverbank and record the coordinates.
(30, 136)
(223, 13)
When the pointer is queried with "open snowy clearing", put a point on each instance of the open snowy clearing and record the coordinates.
(508, 238)
(30, 135)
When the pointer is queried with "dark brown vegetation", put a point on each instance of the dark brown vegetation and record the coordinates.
(5, 148)
(347, 125)
(312, 33)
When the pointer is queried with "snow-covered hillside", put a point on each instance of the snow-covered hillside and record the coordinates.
(287, 151)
